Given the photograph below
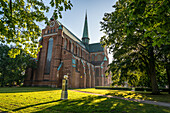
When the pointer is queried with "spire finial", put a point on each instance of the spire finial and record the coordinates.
(85, 37)
(86, 12)
(52, 18)
(86, 15)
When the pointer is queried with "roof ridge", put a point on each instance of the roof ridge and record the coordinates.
(69, 31)
(94, 43)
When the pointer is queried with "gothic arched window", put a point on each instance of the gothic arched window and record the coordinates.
(76, 65)
(49, 55)
(92, 58)
(99, 58)
(65, 44)
(69, 45)
(97, 72)
(87, 56)
(76, 50)
(72, 48)
(81, 53)
(78, 53)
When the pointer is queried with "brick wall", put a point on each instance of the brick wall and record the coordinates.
(82, 76)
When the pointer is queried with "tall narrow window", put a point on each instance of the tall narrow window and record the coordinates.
(81, 52)
(76, 50)
(78, 54)
(97, 72)
(99, 57)
(69, 46)
(49, 55)
(87, 56)
(92, 58)
(72, 48)
(76, 65)
(65, 44)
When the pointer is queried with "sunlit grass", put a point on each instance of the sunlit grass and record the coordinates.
(47, 100)
(163, 97)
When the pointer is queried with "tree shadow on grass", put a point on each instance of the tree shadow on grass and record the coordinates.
(126, 94)
(141, 95)
(35, 105)
(97, 104)
(25, 89)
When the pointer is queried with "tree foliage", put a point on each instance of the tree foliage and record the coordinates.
(135, 32)
(13, 69)
(18, 22)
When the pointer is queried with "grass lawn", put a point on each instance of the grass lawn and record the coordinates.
(163, 97)
(35, 99)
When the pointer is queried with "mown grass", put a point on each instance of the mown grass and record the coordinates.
(47, 100)
(163, 97)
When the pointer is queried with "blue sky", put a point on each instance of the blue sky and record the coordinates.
(74, 19)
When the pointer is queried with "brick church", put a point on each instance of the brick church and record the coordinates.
(63, 53)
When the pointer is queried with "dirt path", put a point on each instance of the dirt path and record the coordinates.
(135, 100)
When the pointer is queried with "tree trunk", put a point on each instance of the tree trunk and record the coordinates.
(154, 84)
(168, 75)
(18, 83)
(1, 82)
(152, 71)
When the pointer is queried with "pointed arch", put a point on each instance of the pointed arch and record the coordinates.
(99, 58)
(69, 45)
(49, 56)
(65, 44)
(92, 58)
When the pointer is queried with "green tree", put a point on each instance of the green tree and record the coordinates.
(163, 57)
(154, 17)
(134, 77)
(18, 22)
(13, 69)
(133, 32)
(144, 81)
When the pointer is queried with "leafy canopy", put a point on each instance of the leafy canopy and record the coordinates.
(18, 23)
(134, 33)
(13, 69)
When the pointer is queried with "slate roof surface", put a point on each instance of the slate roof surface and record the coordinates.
(71, 35)
(96, 47)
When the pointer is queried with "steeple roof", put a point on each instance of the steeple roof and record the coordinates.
(85, 31)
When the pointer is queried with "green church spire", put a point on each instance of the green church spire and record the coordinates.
(85, 37)
(85, 31)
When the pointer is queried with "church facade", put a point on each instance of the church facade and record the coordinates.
(63, 53)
